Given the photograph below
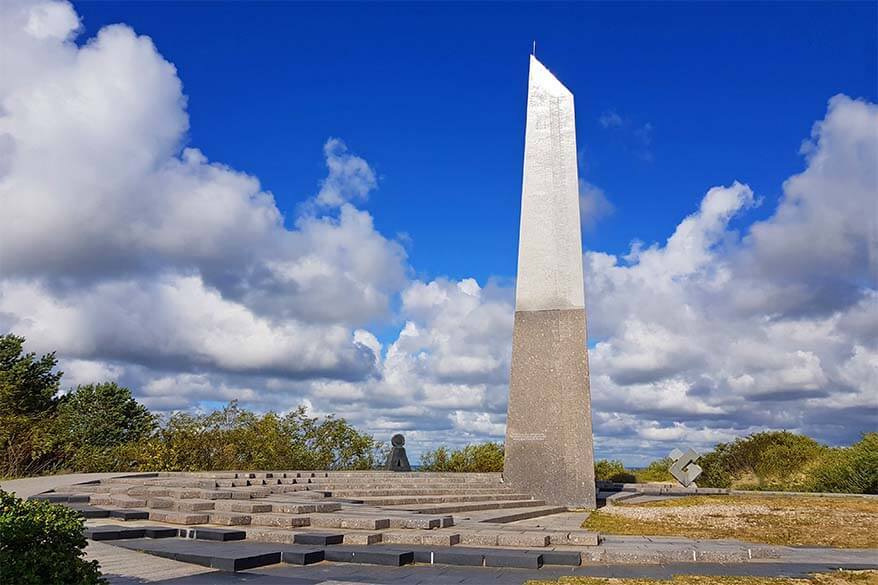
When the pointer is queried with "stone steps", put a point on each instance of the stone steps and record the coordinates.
(118, 500)
(185, 518)
(504, 516)
(432, 537)
(300, 508)
(438, 499)
(279, 520)
(230, 518)
(339, 521)
(243, 506)
(392, 491)
(363, 509)
(188, 505)
(382, 483)
(467, 506)
(239, 556)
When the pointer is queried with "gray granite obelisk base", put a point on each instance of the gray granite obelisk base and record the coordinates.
(549, 443)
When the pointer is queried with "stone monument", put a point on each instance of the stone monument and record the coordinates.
(397, 460)
(549, 443)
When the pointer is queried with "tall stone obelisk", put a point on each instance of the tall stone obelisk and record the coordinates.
(549, 443)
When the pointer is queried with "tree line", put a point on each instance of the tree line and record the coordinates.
(102, 427)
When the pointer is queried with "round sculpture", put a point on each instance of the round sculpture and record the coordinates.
(397, 460)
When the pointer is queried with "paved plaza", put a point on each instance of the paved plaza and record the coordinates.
(126, 560)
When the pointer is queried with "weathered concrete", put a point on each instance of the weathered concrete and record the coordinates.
(549, 444)
(549, 451)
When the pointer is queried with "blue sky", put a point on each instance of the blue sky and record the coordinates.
(318, 204)
(433, 96)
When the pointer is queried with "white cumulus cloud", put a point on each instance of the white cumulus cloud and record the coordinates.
(138, 259)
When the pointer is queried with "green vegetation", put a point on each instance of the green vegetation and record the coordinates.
(833, 578)
(483, 457)
(101, 427)
(787, 520)
(94, 421)
(613, 470)
(43, 543)
(788, 462)
(234, 438)
(770, 461)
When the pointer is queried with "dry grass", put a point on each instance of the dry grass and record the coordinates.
(786, 520)
(835, 578)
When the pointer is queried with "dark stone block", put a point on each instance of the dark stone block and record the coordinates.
(421, 553)
(423, 556)
(131, 532)
(185, 556)
(127, 514)
(302, 556)
(112, 532)
(244, 562)
(52, 498)
(101, 532)
(472, 558)
(158, 549)
(217, 534)
(517, 559)
(78, 499)
(223, 556)
(570, 558)
(369, 555)
(160, 532)
(90, 512)
(318, 538)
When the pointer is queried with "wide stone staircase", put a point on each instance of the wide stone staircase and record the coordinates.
(323, 508)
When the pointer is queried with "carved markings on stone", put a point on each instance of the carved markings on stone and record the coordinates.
(527, 436)
(684, 468)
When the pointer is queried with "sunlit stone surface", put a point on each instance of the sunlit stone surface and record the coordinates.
(549, 445)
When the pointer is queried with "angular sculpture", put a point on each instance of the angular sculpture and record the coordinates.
(549, 443)
(684, 469)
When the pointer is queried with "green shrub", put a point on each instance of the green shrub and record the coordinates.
(483, 457)
(658, 470)
(852, 470)
(773, 460)
(612, 470)
(715, 471)
(42, 543)
(28, 386)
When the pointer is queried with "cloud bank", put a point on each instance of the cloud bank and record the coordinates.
(140, 260)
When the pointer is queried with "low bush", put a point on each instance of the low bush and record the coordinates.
(658, 470)
(43, 543)
(612, 470)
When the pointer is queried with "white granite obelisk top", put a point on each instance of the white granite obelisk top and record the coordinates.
(549, 444)
(550, 244)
